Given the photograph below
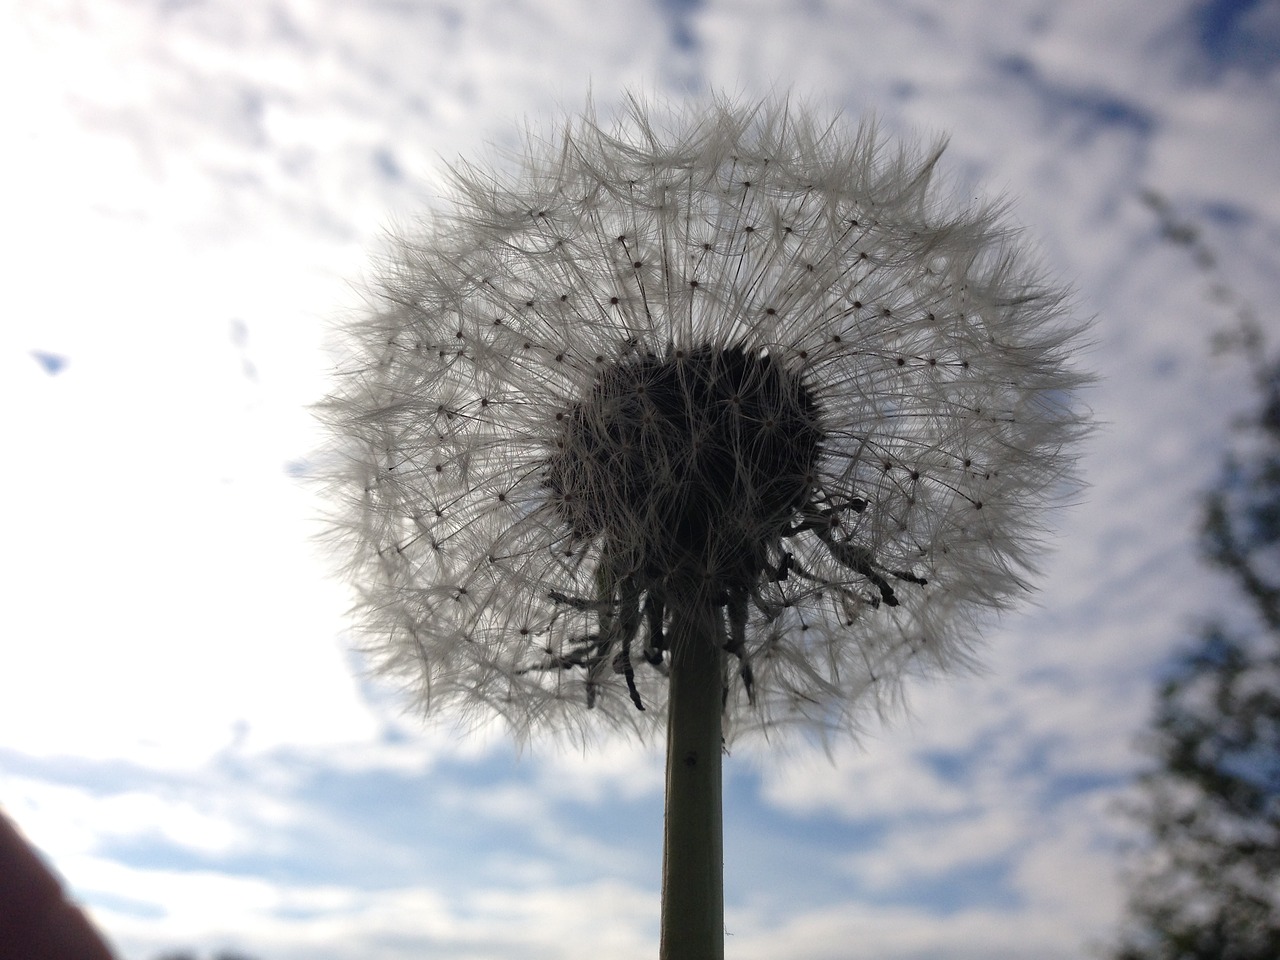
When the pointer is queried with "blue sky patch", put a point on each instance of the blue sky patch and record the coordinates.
(52, 363)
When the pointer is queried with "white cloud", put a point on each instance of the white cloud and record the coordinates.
(328, 922)
(831, 933)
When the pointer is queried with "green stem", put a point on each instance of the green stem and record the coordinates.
(693, 845)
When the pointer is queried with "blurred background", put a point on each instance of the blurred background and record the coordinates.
(192, 193)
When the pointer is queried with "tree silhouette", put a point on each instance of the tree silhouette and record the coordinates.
(1208, 887)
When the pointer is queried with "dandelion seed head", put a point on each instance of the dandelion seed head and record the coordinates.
(738, 356)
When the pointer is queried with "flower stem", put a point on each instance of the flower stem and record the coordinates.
(693, 846)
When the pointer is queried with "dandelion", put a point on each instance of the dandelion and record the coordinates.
(726, 419)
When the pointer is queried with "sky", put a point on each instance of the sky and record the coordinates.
(192, 194)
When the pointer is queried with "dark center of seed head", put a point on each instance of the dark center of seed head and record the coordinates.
(688, 464)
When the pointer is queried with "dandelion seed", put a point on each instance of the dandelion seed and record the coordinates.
(686, 410)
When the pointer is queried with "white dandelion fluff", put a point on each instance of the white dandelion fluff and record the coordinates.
(737, 368)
